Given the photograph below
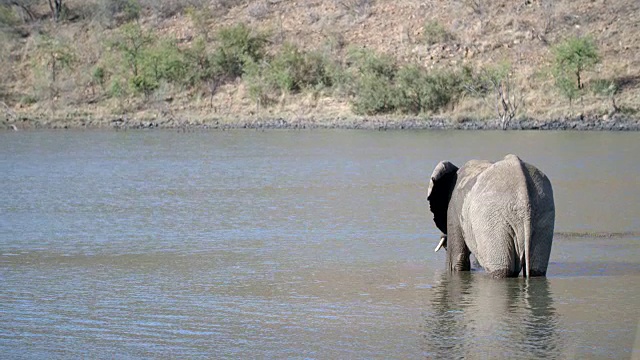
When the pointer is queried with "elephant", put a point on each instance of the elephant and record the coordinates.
(503, 213)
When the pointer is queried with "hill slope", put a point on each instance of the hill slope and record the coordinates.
(53, 78)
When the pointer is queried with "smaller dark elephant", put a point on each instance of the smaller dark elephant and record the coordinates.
(501, 212)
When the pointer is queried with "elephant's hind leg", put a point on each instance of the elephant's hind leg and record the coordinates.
(541, 244)
(503, 273)
(496, 252)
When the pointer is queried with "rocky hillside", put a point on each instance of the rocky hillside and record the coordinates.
(76, 71)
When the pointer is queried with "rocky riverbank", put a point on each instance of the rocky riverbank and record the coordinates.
(593, 123)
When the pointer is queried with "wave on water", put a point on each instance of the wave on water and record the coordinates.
(596, 234)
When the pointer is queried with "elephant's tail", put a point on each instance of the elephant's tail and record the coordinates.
(527, 248)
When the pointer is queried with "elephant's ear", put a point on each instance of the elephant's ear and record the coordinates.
(439, 193)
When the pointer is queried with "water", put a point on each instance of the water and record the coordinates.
(313, 244)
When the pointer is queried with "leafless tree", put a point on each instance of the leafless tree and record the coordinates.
(497, 88)
(56, 9)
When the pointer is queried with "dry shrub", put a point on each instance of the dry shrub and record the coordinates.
(228, 4)
(357, 8)
(169, 8)
(258, 10)
(5, 63)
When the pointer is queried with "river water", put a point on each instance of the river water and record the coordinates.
(311, 244)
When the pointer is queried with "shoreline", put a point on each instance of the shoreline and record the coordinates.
(617, 122)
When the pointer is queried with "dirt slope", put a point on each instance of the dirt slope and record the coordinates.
(480, 33)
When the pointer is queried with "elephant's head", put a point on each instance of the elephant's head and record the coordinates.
(439, 192)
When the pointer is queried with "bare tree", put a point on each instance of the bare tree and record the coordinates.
(476, 6)
(56, 9)
(506, 99)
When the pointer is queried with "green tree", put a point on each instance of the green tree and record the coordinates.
(572, 58)
(567, 87)
(142, 60)
(132, 41)
(56, 56)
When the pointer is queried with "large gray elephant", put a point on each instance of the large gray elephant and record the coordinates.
(503, 213)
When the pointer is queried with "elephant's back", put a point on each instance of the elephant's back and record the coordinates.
(503, 179)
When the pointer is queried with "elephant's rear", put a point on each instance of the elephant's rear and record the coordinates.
(511, 218)
(535, 210)
(540, 195)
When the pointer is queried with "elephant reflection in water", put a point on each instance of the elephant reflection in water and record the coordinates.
(473, 316)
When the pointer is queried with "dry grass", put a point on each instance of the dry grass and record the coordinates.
(482, 33)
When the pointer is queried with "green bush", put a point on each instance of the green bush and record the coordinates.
(383, 87)
(340, 77)
(374, 92)
(419, 91)
(289, 71)
(8, 17)
(164, 61)
(258, 87)
(284, 70)
(374, 95)
(108, 11)
(149, 61)
(143, 83)
(292, 70)
(368, 62)
(410, 89)
(28, 99)
(237, 46)
(199, 64)
(116, 90)
(606, 88)
(99, 76)
(474, 83)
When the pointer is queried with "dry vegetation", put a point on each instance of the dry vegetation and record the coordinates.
(83, 66)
